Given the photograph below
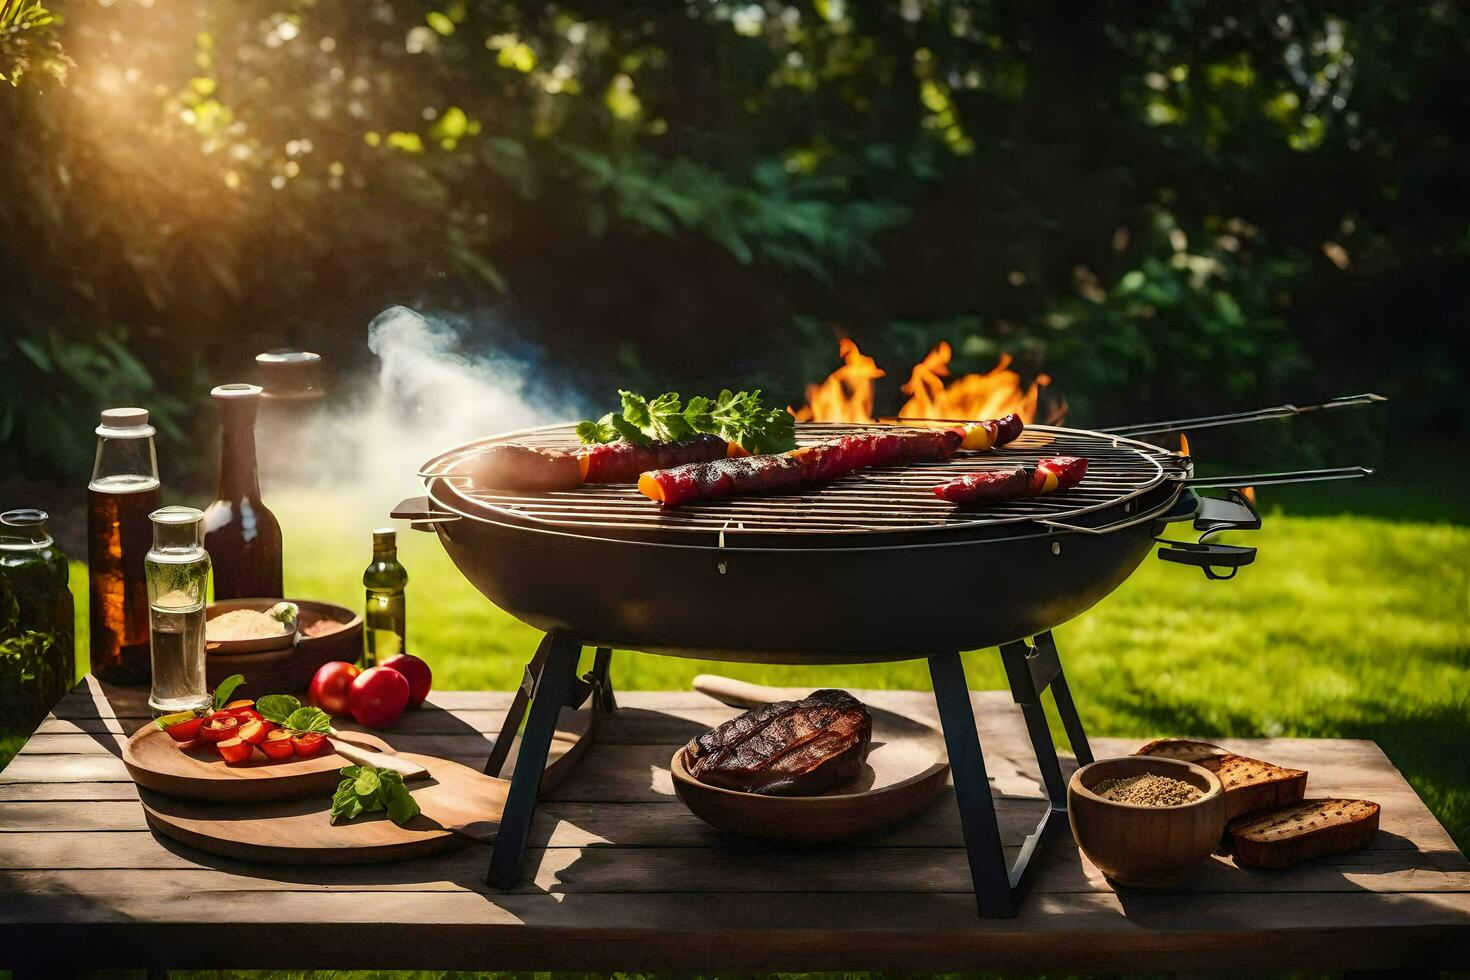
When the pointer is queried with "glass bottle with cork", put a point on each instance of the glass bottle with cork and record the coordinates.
(178, 578)
(123, 491)
(242, 536)
(384, 619)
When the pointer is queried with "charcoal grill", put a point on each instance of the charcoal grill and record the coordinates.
(871, 568)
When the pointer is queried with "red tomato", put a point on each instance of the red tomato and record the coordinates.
(416, 672)
(378, 697)
(185, 731)
(235, 751)
(277, 744)
(330, 687)
(255, 730)
(308, 744)
(217, 727)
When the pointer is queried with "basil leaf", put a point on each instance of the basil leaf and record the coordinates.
(310, 720)
(402, 807)
(367, 782)
(225, 689)
(277, 708)
(346, 804)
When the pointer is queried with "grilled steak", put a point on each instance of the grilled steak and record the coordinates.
(789, 748)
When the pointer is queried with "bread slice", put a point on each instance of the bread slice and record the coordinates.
(1280, 838)
(1250, 784)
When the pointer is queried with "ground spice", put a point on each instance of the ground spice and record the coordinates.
(1147, 789)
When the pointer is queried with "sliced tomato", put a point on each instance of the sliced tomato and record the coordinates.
(217, 727)
(235, 750)
(309, 744)
(277, 744)
(184, 731)
(255, 730)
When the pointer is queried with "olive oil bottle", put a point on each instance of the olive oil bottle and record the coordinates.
(384, 618)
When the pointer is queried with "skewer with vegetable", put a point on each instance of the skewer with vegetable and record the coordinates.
(1015, 482)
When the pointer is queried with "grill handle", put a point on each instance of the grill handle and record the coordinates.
(1233, 512)
(421, 514)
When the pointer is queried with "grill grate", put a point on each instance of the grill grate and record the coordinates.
(891, 499)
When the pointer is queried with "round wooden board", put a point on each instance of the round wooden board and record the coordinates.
(906, 768)
(299, 831)
(157, 762)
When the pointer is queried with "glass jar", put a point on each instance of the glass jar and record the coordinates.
(178, 577)
(37, 641)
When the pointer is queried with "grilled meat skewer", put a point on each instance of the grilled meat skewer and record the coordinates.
(799, 469)
(621, 462)
(1013, 483)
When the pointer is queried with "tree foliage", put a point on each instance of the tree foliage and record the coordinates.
(1182, 202)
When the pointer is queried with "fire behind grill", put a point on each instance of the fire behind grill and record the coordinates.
(889, 501)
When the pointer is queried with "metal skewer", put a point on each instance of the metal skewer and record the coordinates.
(1235, 418)
(1266, 479)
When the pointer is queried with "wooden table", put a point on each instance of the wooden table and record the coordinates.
(625, 878)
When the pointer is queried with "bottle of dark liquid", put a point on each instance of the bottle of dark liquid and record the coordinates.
(385, 618)
(242, 537)
(123, 492)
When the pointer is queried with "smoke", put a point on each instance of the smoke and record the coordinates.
(438, 385)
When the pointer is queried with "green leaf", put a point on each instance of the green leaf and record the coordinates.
(367, 782)
(309, 720)
(277, 708)
(346, 804)
(402, 807)
(590, 432)
(627, 430)
(225, 688)
(635, 409)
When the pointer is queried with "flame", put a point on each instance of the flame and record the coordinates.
(1249, 493)
(1183, 444)
(847, 393)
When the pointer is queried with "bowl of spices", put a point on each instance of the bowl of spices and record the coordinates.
(1146, 822)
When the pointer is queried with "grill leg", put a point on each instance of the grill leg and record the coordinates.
(1031, 670)
(972, 788)
(606, 700)
(553, 691)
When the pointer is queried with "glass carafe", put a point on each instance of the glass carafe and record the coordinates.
(178, 576)
(124, 490)
(241, 534)
(37, 648)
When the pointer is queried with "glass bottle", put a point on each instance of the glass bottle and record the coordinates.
(241, 535)
(36, 625)
(385, 619)
(124, 490)
(178, 578)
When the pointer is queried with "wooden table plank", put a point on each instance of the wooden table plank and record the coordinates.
(621, 875)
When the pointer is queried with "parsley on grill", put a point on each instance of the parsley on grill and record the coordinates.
(737, 416)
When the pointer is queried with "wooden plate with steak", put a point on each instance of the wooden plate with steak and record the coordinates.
(806, 769)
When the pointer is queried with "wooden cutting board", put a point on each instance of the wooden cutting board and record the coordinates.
(459, 805)
(157, 762)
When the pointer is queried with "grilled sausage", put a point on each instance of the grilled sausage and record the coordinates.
(1013, 483)
(799, 469)
(621, 462)
(525, 469)
(993, 433)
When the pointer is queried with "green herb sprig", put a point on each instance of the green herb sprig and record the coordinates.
(286, 711)
(737, 416)
(365, 789)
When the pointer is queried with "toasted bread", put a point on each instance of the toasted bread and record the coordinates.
(1250, 784)
(1281, 837)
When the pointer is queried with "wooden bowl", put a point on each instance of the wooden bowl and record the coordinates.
(1145, 846)
(259, 644)
(288, 669)
(905, 770)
